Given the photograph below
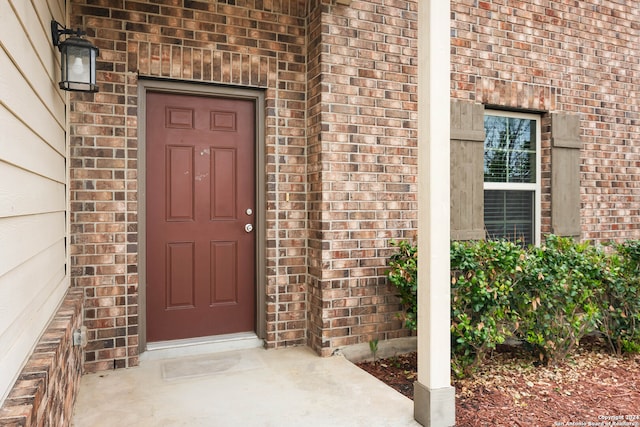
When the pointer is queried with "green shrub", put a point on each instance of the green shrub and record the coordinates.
(483, 276)
(403, 274)
(548, 296)
(557, 300)
(620, 302)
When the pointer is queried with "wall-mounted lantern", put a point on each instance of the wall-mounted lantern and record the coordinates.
(77, 59)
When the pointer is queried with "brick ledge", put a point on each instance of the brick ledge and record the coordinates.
(46, 389)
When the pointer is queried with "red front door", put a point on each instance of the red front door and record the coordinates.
(200, 214)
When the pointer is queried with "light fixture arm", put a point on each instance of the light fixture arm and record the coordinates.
(57, 30)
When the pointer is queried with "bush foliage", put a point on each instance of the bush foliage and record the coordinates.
(558, 299)
(484, 276)
(403, 274)
(620, 303)
(548, 297)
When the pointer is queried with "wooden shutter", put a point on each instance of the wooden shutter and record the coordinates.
(467, 173)
(565, 174)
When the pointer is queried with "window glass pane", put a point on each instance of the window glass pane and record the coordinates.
(509, 149)
(509, 214)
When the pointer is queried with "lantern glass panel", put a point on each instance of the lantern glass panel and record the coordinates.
(78, 65)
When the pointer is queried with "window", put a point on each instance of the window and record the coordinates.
(512, 176)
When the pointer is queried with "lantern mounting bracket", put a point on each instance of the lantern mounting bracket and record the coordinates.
(57, 30)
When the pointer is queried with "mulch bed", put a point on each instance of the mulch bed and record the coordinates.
(511, 389)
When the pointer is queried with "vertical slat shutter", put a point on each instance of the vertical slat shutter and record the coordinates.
(565, 174)
(467, 177)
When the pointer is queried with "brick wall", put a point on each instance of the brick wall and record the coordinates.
(315, 107)
(264, 45)
(227, 42)
(45, 391)
(340, 138)
(579, 57)
(362, 165)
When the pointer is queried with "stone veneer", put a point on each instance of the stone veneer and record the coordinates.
(46, 389)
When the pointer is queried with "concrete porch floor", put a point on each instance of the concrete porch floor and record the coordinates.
(250, 387)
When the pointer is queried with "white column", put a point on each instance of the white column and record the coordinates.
(434, 397)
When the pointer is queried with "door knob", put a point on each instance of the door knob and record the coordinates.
(248, 228)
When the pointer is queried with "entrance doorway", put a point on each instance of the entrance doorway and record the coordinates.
(200, 216)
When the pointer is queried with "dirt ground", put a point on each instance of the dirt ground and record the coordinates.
(593, 388)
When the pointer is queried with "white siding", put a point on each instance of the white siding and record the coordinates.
(33, 181)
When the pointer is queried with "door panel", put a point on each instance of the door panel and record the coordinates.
(223, 184)
(200, 179)
(224, 289)
(179, 175)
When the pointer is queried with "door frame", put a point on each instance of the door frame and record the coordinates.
(183, 88)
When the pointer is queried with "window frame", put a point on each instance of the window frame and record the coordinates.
(512, 186)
